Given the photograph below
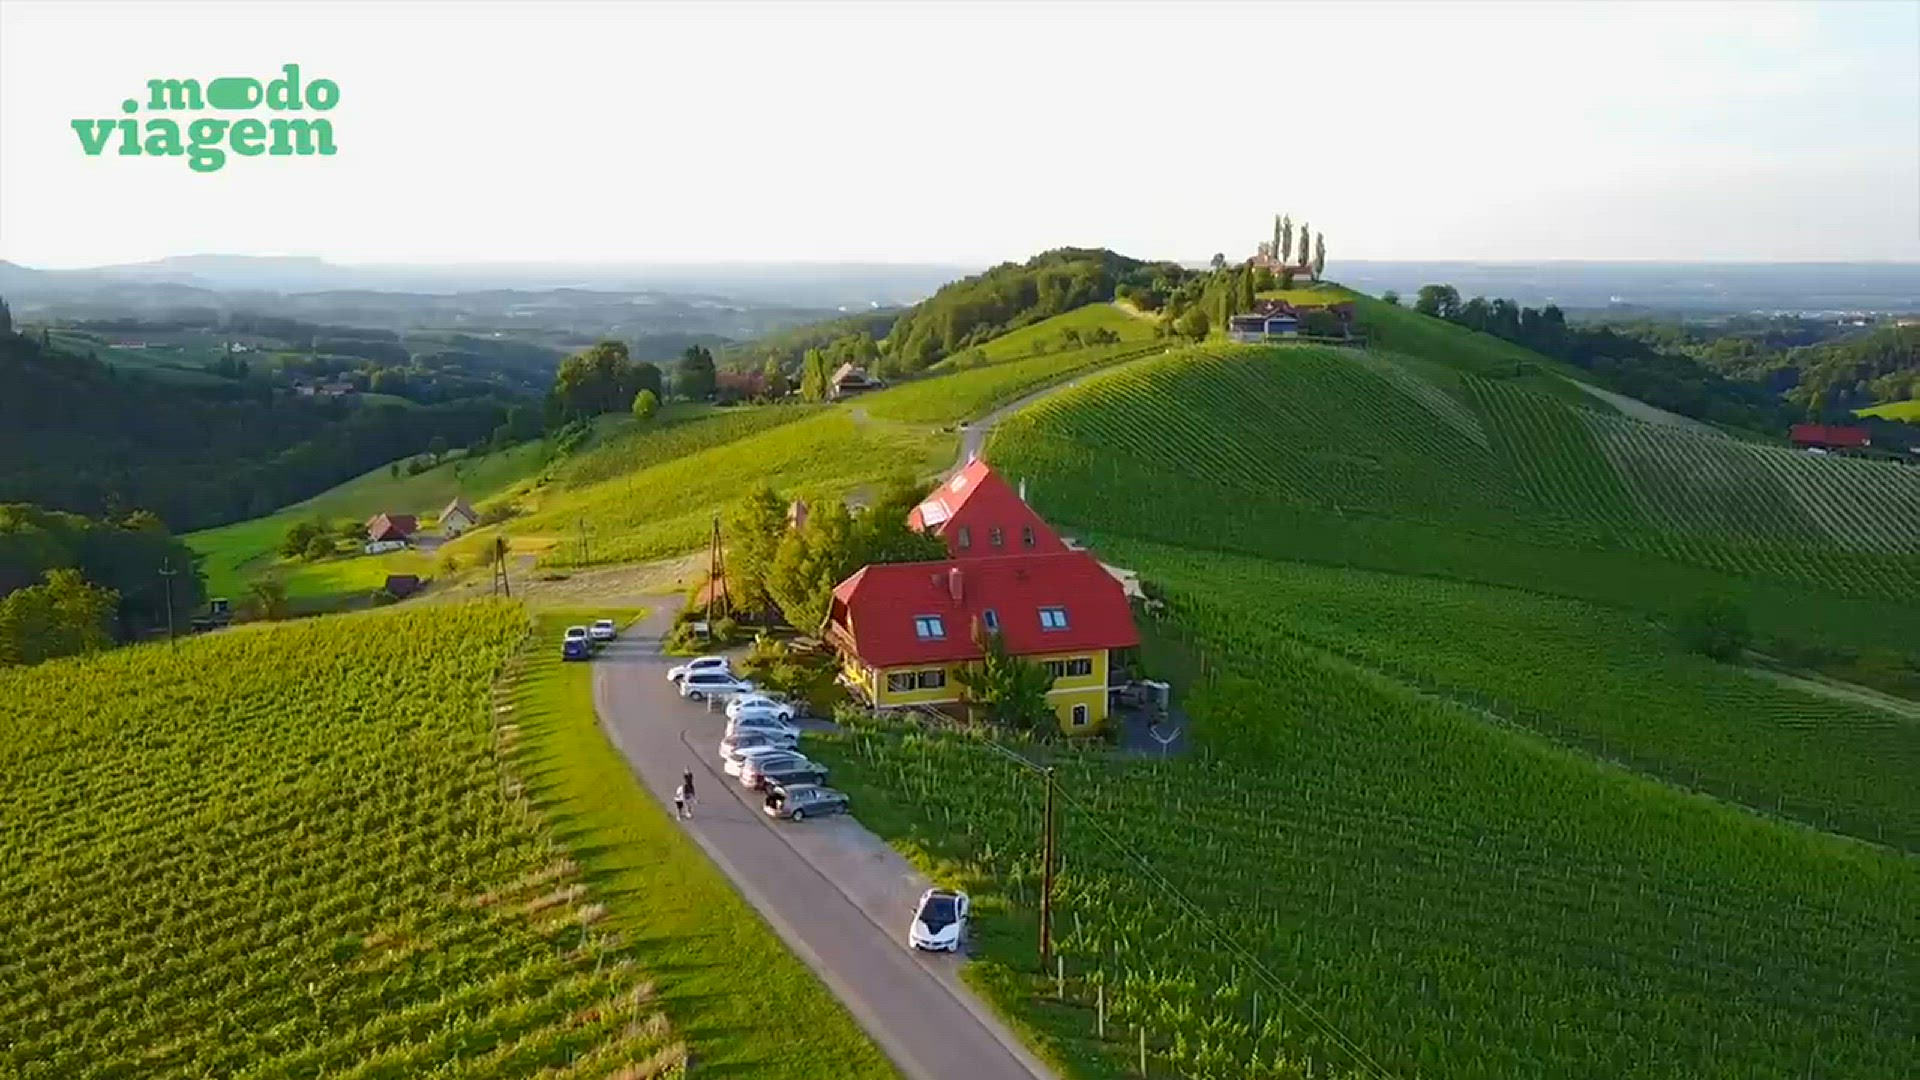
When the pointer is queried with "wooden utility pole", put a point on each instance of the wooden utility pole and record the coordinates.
(500, 582)
(166, 582)
(716, 575)
(1046, 876)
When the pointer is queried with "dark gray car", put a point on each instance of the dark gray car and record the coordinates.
(787, 774)
(803, 801)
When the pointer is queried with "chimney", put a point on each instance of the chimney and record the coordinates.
(953, 584)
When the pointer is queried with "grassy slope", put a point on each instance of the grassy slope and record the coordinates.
(1048, 332)
(743, 1002)
(1895, 410)
(977, 391)
(235, 553)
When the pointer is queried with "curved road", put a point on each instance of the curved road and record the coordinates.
(834, 892)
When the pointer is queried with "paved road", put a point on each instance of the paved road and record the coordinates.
(833, 891)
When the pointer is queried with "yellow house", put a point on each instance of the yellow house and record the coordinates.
(904, 630)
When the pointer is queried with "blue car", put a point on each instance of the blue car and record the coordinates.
(576, 645)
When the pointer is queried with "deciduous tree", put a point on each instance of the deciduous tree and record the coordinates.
(1004, 689)
(696, 378)
(645, 404)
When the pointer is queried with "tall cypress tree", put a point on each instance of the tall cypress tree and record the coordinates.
(1319, 255)
(1286, 241)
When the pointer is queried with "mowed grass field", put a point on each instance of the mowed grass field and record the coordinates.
(1895, 410)
(1050, 334)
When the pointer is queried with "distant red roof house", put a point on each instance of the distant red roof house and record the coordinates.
(1830, 436)
(392, 527)
(894, 614)
(980, 516)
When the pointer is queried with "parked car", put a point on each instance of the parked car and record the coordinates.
(939, 921)
(780, 769)
(734, 757)
(761, 702)
(741, 740)
(701, 685)
(575, 645)
(698, 663)
(756, 722)
(801, 801)
(603, 631)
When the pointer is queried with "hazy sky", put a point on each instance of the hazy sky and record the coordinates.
(982, 132)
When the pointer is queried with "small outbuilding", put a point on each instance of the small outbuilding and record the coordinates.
(457, 518)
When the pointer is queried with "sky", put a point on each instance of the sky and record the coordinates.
(983, 132)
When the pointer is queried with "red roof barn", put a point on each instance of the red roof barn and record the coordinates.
(980, 516)
(392, 527)
(1829, 436)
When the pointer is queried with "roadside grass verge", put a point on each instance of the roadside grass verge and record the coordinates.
(743, 1003)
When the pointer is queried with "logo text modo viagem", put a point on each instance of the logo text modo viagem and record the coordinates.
(206, 141)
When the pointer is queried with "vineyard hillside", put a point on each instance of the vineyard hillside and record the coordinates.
(293, 851)
(1415, 465)
(1354, 876)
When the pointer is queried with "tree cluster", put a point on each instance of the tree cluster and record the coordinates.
(125, 557)
(1615, 360)
(771, 566)
(79, 435)
(65, 616)
(599, 380)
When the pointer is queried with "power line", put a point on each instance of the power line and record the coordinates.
(1193, 910)
(1287, 993)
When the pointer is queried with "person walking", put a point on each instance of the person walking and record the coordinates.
(680, 809)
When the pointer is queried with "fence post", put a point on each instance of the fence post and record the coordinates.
(1060, 977)
(1143, 1051)
(1100, 1012)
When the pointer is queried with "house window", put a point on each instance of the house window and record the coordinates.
(1055, 668)
(899, 682)
(932, 678)
(1079, 716)
(1026, 536)
(992, 620)
(966, 538)
(993, 536)
(1080, 666)
(1053, 618)
(929, 628)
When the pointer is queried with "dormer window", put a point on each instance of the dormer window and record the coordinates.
(1053, 618)
(929, 628)
(993, 536)
(965, 538)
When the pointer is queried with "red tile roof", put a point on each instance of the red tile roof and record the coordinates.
(874, 612)
(1829, 435)
(392, 526)
(972, 503)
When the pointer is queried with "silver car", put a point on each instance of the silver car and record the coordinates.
(801, 801)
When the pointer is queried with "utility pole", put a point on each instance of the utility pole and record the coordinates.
(500, 582)
(1046, 877)
(166, 582)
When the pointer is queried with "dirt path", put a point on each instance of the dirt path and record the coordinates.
(973, 433)
(1841, 691)
(1640, 410)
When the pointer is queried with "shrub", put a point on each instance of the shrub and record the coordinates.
(1715, 626)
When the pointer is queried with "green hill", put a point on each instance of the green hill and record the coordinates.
(1372, 459)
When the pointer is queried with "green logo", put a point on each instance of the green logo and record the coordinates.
(209, 139)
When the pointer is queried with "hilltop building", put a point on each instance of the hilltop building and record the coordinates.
(383, 528)
(851, 378)
(1271, 319)
(904, 630)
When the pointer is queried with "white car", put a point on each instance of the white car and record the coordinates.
(698, 663)
(701, 685)
(939, 921)
(603, 631)
(762, 703)
(764, 724)
(732, 758)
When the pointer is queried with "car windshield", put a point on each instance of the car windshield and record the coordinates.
(938, 912)
(605, 624)
(576, 631)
